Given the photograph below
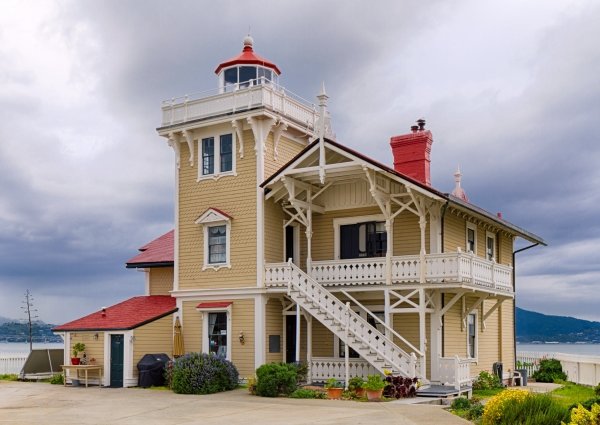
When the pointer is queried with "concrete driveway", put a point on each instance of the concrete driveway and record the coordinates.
(38, 403)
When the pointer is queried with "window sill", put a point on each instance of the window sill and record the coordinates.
(216, 267)
(216, 176)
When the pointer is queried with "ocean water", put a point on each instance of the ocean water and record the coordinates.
(580, 349)
(19, 347)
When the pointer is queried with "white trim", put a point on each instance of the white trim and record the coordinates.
(212, 218)
(473, 227)
(146, 281)
(217, 174)
(337, 222)
(176, 235)
(490, 235)
(476, 350)
(128, 379)
(260, 302)
(204, 316)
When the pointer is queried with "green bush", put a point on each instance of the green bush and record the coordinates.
(587, 403)
(486, 381)
(304, 393)
(198, 373)
(597, 390)
(475, 411)
(460, 403)
(57, 379)
(9, 377)
(356, 383)
(274, 379)
(550, 370)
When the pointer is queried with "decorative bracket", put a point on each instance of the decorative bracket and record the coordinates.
(261, 130)
(173, 141)
(475, 306)
(490, 311)
(277, 132)
(189, 138)
(237, 126)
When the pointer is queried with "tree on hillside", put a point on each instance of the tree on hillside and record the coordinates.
(30, 311)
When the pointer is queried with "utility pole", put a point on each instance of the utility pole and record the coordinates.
(28, 308)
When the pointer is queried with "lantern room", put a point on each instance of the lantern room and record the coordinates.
(246, 70)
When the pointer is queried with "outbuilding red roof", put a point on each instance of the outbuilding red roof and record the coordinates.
(158, 253)
(129, 314)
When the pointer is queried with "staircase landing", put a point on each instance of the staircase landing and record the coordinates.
(443, 391)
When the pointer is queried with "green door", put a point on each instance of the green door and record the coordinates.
(116, 360)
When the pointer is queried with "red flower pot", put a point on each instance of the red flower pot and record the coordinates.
(75, 361)
(334, 393)
(374, 395)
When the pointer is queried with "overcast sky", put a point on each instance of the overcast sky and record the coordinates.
(510, 90)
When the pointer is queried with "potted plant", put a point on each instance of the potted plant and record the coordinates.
(78, 347)
(356, 385)
(334, 388)
(374, 387)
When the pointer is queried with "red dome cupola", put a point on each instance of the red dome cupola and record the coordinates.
(246, 69)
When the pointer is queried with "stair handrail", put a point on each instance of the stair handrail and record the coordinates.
(396, 334)
(397, 351)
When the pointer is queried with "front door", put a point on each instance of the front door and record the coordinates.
(290, 339)
(116, 360)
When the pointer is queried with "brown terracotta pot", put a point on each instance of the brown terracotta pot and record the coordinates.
(374, 395)
(360, 392)
(334, 393)
(75, 361)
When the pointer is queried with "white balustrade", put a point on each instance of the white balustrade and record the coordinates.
(455, 371)
(349, 272)
(323, 368)
(11, 363)
(215, 102)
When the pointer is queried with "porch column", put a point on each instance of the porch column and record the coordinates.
(259, 330)
(422, 334)
(386, 312)
(389, 229)
(298, 317)
(309, 233)
(309, 347)
(435, 336)
(422, 226)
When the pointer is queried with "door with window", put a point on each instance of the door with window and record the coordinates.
(363, 240)
(217, 334)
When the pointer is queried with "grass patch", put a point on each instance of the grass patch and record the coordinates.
(572, 393)
(487, 393)
(9, 377)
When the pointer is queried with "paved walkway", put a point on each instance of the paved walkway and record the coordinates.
(39, 403)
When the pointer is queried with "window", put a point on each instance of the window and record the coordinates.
(472, 336)
(490, 246)
(471, 238)
(217, 157)
(217, 244)
(217, 237)
(363, 240)
(217, 334)
(246, 76)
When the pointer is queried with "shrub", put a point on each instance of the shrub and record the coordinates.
(587, 403)
(475, 411)
(274, 379)
(252, 385)
(374, 383)
(495, 406)
(521, 407)
(304, 393)
(199, 373)
(9, 377)
(57, 379)
(486, 381)
(301, 372)
(550, 370)
(597, 390)
(582, 416)
(400, 387)
(460, 403)
(356, 383)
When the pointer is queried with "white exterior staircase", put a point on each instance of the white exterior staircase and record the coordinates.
(372, 345)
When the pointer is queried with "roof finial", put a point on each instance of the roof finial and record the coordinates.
(248, 41)
(322, 96)
(458, 190)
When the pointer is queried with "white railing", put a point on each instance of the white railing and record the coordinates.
(323, 368)
(12, 363)
(257, 93)
(455, 371)
(580, 369)
(454, 267)
(348, 324)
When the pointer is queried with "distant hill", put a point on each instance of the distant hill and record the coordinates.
(532, 326)
(4, 320)
(13, 331)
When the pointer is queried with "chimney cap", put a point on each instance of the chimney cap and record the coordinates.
(421, 123)
(414, 128)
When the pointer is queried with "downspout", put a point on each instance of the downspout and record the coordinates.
(514, 282)
(444, 208)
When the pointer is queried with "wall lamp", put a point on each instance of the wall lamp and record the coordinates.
(241, 337)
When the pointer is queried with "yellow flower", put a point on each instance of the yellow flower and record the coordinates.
(581, 416)
(493, 409)
(387, 372)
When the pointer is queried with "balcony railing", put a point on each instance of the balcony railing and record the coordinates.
(254, 94)
(455, 371)
(323, 368)
(447, 268)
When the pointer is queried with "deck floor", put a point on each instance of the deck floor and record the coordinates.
(441, 391)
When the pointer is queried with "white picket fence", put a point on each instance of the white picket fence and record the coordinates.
(580, 369)
(12, 362)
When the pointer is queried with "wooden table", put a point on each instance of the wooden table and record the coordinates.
(85, 368)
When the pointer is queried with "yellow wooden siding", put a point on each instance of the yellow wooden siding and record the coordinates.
(455, 233)
(161, 280)
(274, 326)
(286, 149)
(407, 325)
(273, 232)
(488, 349)
(153, 338)
(455, 337)
(407, 234)
(94, 348)
(322, 340)
(192, 327)
(506, 249)
(507, 334)
(242, 319)
(234, 195)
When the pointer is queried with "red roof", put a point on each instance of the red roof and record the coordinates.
(247, 57)
(159, 252)
(129, 314)
(215, 304)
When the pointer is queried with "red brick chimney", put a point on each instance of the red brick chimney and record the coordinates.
(411, 153)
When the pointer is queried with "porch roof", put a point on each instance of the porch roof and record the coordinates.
(448, 198)
(126, 315)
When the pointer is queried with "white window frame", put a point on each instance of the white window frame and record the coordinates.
(472, 227)
(475, 315)
(217, 174)
(337, 222)
(205, 312)
(212, 218)
(490, 235)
